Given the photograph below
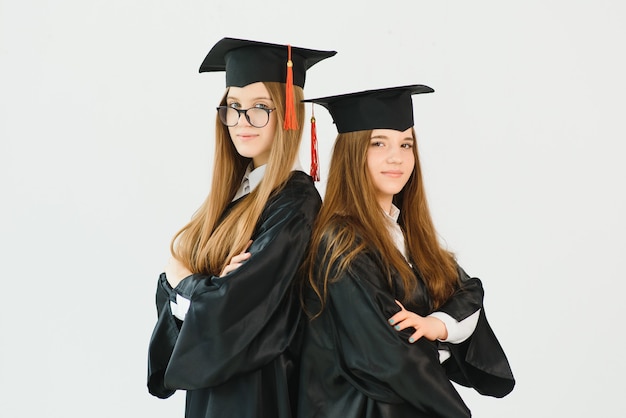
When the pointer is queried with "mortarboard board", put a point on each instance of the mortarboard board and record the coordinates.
(389, 108)
(247, 62)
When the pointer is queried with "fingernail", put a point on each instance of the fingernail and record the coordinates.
(391, 321)
(411, 340)
(397, 327)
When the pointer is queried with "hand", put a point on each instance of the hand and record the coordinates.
(237, 260)
(429, 327)
(175, 271)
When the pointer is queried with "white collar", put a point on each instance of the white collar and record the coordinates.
(394, 213)
(255, 176)
(252, 178)
(395, 231)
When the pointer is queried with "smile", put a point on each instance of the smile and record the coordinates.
(246, 137)
(393, 173)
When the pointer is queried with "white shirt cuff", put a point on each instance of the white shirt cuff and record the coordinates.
(444, 355)
(458, 331)
(180, 307)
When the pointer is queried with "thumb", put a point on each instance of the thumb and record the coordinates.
(246, 247)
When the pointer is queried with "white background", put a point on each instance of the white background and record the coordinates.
(106, 139)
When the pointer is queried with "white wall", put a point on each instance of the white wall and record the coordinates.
(105, 150)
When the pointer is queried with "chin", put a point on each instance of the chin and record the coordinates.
(246, 153)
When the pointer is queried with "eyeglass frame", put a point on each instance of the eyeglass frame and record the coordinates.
(245, 113)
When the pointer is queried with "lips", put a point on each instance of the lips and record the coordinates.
(246, 136)
(392, 173)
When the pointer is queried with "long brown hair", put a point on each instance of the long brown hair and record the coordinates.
(351, 221)
(208, 242)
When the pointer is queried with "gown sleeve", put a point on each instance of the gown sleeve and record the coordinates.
(467, 298)
(378, 360)
(479, 361)
(163, 338)
(242, 321)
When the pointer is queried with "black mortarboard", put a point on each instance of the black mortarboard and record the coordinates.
(390, 108)
(247, 62)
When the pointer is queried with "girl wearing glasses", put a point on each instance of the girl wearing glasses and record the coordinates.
(394, 318)
(227, 316)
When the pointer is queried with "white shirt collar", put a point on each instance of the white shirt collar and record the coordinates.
(395, 231)
(394, 213)
(252, 178)
(255, 176)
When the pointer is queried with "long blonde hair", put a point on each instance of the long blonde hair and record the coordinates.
(351, 222)
(208, 242)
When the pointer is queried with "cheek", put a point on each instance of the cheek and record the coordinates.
(269, 132)
(271, 125)
(411, 162)
(270, 129)
(268, 142)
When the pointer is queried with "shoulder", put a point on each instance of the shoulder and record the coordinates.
(298, 193)
(297, 201)
(349, 252)
(300, 185)
(342, 233)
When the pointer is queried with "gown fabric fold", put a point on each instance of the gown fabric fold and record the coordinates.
(236, 352)
(355, 365)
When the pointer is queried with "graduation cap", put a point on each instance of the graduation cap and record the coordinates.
(247, 62)
(389, 108)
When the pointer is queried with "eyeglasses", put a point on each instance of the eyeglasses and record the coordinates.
(256, 116)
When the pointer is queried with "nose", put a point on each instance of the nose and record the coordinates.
(394, 156)
(242, 120)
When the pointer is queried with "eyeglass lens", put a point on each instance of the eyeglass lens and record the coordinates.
(257, 117)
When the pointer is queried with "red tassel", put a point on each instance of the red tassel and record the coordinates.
(291, 122)
(314, 161)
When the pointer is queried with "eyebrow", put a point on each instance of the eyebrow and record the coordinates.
(253, 99)
(408, 138)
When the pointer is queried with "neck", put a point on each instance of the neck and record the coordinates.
(385, 204)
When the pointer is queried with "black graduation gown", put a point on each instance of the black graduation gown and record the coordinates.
(355, 365)
(234, 352)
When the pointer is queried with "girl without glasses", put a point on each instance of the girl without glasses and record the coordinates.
(393, 317)
(227, 315)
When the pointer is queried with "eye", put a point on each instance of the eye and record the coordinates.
(407, 145)
(234, 105)
(375, 143)
(261, 106)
